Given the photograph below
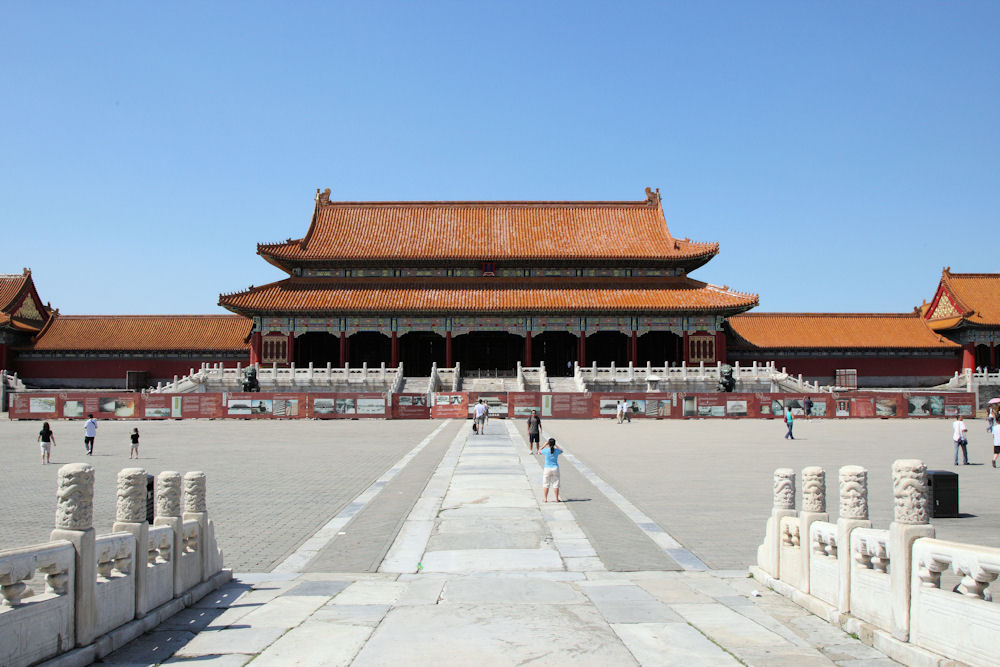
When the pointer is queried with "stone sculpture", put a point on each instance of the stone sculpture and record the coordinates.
(194, 491)
(168, 494)
(813, 489)
(75, 497)
(910, 492)
(854, 493)
(131, 506)
(784, 489)
(250, 382)
(726, 381)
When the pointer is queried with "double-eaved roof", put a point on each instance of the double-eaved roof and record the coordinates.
(627, 233)
(964, 298)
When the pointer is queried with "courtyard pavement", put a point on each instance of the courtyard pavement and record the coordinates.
(364, 542)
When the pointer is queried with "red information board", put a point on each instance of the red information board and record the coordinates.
(410, 406)
(453, 405)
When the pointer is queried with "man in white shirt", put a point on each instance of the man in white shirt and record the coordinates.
(479, 414)
(89, 433)
(959, 439)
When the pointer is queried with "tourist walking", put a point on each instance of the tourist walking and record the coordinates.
(961, 442)
(996, 443)
(89, 433)
(620, 410)
(534, 432)
(550, 473)
(808, 405)
(479, 415)
(46, 440)
(789, 421)
(134, 436)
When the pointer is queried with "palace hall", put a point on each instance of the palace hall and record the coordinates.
(487, 284)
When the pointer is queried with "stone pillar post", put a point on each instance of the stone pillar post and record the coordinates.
(195, 508)
(130, 517)
(912, 513)
(784, 505)
(75, 523)
(853, 514)
(168, 513)
(813, 509)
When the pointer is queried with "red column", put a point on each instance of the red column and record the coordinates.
(527, 349)
(395, 350)
(583, 349)
(686, 356)
(993, 355)
(720, 347)
(448, 359)
(291, 347)
(968, 356)
(343, 349)
(4, 366)
(633, 348)
(255, 343)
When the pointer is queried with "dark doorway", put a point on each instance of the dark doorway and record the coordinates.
(488, 350)
(318, 347)
(982, 356)
(657, 347)
(605, 347)
(369, 347)
(556, 349)
(418, 350)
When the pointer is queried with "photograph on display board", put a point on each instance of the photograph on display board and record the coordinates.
(414, 401)
(73, 409)
(765, 409)
(965, 410)
(885, 407)
(286, 407)
(524, 410)
(323, 406)
(157, 412)
(261, 406)
(819, 408)
(636, 407)
(663, 408)
(119, 407)
(546, 405)
(690, 406)
(371, 406)
(918, 406)
(346, 406)
(239, 406)
(42, 404)
(795, 405)
(951, 410)
(443, 399)
(609, 406)
(736, 408)
(937, 405)
(175, 406)
(843, 407)
(777, 407)
(456, 399)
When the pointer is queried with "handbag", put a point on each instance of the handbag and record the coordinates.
(963, 441)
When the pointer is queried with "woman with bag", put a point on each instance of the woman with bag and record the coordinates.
(960, 429)
(47, 440)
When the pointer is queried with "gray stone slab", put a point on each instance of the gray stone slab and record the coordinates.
(488, 498)
(352, 614)
(491, 560)
(728, 628)
(488, 523)
(224, 596)
(504, 513)
(673, 590)
(494, 635)
(151, 648)
(629, 604)
(671, 644)
(237, 639)
(226, 660)
(485, 540)
(285, 612)
(507, 590)
(371, 593)
(319, 588)
(192, 619)
(422, 591)
(316, 643)
(781, 656)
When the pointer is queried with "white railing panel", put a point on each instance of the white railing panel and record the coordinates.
(962, 624)
(115, 592)
(790, 552)
(159, 567)
(36, 624)
(824, 570)
(190, 556)
(871, 593)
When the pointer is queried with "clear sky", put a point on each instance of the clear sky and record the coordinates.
(841, 153)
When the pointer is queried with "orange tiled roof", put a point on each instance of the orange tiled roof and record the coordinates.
(496, 295)
(488, 231)
(977, 296)
(125, 333)
(10, 287)
(837, 330)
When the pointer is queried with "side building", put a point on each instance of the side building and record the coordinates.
(488, 284)
(966, 309)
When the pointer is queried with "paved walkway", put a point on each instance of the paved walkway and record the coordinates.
(480, 571)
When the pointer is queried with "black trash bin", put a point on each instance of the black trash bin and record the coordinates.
(944, 493)
(150, 500)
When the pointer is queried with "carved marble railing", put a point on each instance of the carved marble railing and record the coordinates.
(273, 377)
(118, 585)
(883, 584)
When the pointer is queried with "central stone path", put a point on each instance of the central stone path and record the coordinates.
(482, 572)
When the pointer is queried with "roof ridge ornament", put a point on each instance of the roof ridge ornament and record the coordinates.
(323, 198)
(653, 197)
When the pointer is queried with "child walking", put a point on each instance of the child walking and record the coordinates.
(550, 474)
(135, 443)
(47, 440)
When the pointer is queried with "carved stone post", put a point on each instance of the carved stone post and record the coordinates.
(168, 513)
(813, 509)
(853, 514)
(195, 508)
(75, 523)
(912, 514)
(130, 517)
(784, 505)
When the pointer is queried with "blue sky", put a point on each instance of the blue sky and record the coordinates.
(841, 153)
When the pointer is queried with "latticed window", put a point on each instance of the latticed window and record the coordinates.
(702, 348)
(274, 349)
